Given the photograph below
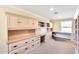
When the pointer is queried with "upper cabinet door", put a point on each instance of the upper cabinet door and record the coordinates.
(12, 22)
(16, 22)
(35, 24)
(22, 23)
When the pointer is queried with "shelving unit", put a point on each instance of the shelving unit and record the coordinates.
(17, 35)
(18, 29)
(21, 33)
(49, 27)
(76, 33)
(41, 24)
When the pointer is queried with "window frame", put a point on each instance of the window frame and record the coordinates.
(66, 26)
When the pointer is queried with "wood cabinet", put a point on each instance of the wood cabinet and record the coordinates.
(41, 24)
(14, 26)
(32, 24)
(21, 32)
(24, 46)
(17, 22)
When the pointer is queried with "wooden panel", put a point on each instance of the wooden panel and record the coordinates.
(22, 23)
(12, 22)
(18, 35)
(19, 44)
(20, 50)
(35, 24)
(17, 22)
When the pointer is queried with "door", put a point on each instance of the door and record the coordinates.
(12, 21)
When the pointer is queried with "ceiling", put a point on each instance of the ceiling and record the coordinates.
(59, 12)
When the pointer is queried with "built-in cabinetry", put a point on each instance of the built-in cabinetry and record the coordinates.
(18, 30)
(18, 22)
(41, 24)
(24, 45)
(45, 28)
(76, 33)
(49, 27)
(21, 33)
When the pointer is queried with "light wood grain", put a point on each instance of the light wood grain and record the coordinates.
(18, 22)
(15, 36)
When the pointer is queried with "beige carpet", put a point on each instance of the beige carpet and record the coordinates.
(55, 47)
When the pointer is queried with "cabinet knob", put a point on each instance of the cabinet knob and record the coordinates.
(15, 46)
(32, 45)
(26, 42)
(32, 40)
(19, 22)
(16, 53)
(26, 48)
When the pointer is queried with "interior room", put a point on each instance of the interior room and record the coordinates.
(39, 29)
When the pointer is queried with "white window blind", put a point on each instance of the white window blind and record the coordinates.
(66, 26)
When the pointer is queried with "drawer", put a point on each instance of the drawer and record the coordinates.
(20, 50)
(37, 44)
(35, 39)
(16, 45)
(31, 45)
(32, 39)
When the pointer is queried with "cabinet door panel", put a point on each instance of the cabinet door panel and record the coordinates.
(35, 24)
(22, 23)
(12, 21)
(16, 22)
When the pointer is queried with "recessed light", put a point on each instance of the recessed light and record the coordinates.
(55, 12)
(51, 9)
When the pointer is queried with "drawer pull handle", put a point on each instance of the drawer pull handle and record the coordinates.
(32, 45)
(16, 53)
(15, 46)
(26, 48)
(32, 40)
(26, 42)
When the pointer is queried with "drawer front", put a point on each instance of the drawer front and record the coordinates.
(35, 39)
(37, 44)
(20, 50)
(16, 45)
(26, 42)
(32, 45)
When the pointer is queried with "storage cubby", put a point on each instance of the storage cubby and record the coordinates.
(48, 24)
(17, 35)
(41, 24)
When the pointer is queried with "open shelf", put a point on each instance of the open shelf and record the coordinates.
(17, 35)
(41, 24)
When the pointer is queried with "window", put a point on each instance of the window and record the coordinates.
(66, 26)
